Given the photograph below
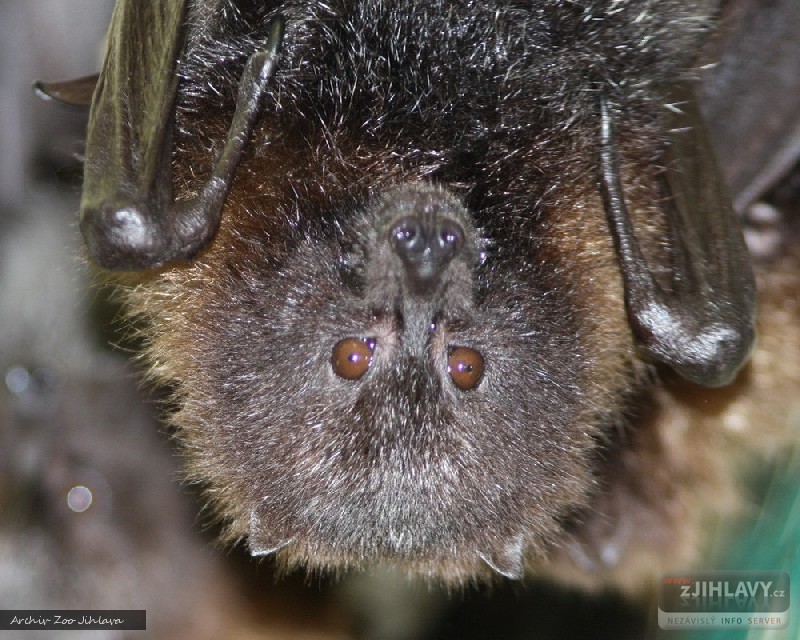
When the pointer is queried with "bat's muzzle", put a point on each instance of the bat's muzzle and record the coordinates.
(426, 244)
(425, 233)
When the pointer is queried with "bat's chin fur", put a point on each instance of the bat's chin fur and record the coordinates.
(397, 531)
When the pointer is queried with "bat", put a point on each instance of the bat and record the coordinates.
(429, 279)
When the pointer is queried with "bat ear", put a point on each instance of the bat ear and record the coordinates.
(73, 93)
(702, 325)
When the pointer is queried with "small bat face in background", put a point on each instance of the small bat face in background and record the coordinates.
(410, 266)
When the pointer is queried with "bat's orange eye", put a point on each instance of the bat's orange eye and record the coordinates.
(351, 357)
(465, 367)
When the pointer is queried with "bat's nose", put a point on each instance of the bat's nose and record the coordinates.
(424, 243)
(426, 240)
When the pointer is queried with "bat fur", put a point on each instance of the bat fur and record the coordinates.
(573, 455)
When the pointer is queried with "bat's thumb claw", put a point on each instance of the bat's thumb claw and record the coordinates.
(121, 236)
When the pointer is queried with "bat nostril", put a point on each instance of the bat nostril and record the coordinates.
(451, 236)
(406, 238)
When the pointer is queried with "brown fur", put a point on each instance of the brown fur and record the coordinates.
(605, 479)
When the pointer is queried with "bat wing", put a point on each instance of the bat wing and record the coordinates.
(751, 97)
(703, 325)
(128, 215)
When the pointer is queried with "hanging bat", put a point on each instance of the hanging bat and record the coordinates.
(414, 271)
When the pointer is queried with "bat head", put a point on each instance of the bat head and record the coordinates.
(408, 336)
(390, 394)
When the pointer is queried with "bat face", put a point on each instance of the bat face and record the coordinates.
(431, 422)
(451, 251)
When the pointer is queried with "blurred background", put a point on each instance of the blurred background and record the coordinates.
(93, 514)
